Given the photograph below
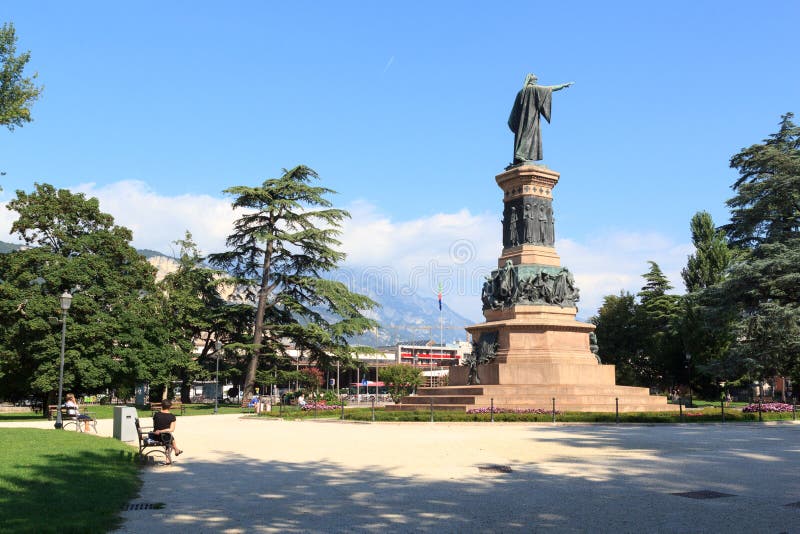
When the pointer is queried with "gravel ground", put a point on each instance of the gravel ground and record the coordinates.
(241, 474)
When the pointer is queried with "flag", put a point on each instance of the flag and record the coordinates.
(440, 297)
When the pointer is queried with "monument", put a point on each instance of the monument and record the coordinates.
(531, 349)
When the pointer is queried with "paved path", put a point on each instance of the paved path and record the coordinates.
(260, 475)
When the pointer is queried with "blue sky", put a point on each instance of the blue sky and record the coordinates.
(156, 107)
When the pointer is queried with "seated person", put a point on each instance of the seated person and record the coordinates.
(164, 426)
(73, 411)
(301, 401)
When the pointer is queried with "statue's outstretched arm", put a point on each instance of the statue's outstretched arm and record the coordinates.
(561, 86)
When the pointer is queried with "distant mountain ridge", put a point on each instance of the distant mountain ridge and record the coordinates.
(8, 247)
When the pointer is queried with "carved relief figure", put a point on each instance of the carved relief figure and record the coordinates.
(542, 225)
(513, 238)
(529, 223)
(508, 284)
(551, 226)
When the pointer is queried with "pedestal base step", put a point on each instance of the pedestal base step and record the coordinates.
(568, 398)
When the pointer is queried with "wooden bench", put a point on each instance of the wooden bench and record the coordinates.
(176, 405)
(149, 446)
(247, 407)
(68, 417)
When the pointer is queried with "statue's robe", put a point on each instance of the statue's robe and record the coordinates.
(532, 102)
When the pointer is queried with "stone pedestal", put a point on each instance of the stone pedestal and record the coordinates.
(542, 352)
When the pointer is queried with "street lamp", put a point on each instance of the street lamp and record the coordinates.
(689, 368)
(217, 347)
(66, 301)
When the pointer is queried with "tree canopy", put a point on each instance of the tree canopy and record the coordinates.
(115, 334)
(17, 92)
(278, 255)
(763, 287)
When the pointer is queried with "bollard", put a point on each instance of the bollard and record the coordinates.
(342, 401)
(373, 409)
(431, 409)
(554, 409)
(491, 419)
(760, 417)
(680, 408)
(616, 400)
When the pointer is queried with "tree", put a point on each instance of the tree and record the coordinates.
(401, 380)
(115, 331)
(658, 319)
(200, 316)
(762, 290)
(17, 92)
(617, 339)
(278, 255)
(712, 255)
(642, 339)
(766, 207)
(706, 331)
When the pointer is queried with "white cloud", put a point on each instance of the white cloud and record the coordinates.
(454, 249)
(156, 220)
(616, 260)
(459, 249)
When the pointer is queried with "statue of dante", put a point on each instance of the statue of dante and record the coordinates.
(532, 102)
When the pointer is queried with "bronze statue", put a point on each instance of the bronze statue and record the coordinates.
(532, 102)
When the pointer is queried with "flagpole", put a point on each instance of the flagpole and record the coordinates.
(441, 334)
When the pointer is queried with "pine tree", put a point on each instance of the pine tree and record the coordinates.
(763, 287)
(617, 336)
(658, 317)
(706, 332)
(279, 253)
(712, 256)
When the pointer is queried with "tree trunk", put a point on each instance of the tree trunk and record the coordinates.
(258, 330)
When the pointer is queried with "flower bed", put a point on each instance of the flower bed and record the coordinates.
(538, 411)
(775, 407)
(320, 406)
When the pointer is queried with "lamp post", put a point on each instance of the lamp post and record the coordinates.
(689, 368)
(66, 301)
(217, 347)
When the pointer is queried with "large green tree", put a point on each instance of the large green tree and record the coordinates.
(279, 253)
(642, 339)
(17, 92)
(763, 286)
(617, 336)
(658, 320)
(707, 331)
(115, 331)
(201, 316)
(711, 257)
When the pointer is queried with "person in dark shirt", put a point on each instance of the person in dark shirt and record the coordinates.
(164, 423)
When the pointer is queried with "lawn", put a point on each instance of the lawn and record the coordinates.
(706, 414)
(106, 411)
(63, 481)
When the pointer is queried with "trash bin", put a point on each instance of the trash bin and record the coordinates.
(125, 423)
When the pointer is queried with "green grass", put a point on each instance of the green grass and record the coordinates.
(707, 414)
(106, 411)
(63, 481)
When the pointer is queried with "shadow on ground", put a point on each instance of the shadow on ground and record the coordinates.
(627, 484)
